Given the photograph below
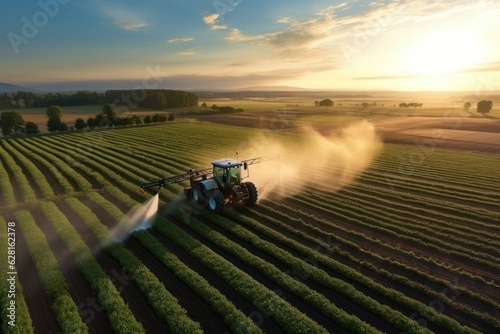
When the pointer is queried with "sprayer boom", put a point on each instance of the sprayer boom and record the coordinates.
(216, 186)
(191, 174)
(249, 162)
(203, 173)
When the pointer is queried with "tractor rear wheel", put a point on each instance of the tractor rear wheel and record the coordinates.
(199, 198)
(215, 201)
(253, 194)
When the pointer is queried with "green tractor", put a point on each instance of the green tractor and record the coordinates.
(217, 186)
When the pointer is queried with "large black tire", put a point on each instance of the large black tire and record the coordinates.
(215, 202)
(253, 194)
(199, 198)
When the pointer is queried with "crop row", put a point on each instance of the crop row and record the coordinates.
(440, 176)
(409, 187)
(396, 250)
(457, 173)
(322, 226)
(53, 280)
(440, 220)
(119, 173)
(439, 319)
(416, 238)
(35, 175)
(300, 289)
(162, 157)
(285, 315)
(64, 167)
(100, 168)
(46, 163)
(343, 249)
(402, 185)
(121, 318)
(104, 160)
(163, 302)
(27, 193)
(416, 221)
(21, 322)
(6, 191)
(420, 202)
(112, 155)
(237, 321)
(233, 278)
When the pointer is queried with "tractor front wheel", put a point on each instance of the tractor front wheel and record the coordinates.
(216, 201)
(253, 194)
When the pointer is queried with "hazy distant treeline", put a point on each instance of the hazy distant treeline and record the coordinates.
(147, 98)
(253, 94)
(38, 100)
(151, 98)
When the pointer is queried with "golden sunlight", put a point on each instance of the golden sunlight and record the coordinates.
(444, 51)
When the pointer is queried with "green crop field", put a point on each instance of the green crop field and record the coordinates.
(410, 245)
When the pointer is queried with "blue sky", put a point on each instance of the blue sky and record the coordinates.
(403, 45)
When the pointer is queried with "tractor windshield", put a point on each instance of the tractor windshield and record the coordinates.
(234, 175)
(227, 176)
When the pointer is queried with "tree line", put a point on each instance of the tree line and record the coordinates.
(146, 98)
(410, 105)
(151, 98)
(35, 100)
(482, 107)
(12, 122)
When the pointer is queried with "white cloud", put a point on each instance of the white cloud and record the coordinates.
(235, 35)
(185, 53)
(212, 20)
(121, 17)
(181, 39)
(284, 20)
(325, 30)
(130, 25)
(315, 44)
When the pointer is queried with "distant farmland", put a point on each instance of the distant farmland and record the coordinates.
(412, 245)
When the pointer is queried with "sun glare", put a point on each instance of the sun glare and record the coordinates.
(443, 52)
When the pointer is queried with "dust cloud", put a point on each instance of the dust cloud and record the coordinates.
(310, 158)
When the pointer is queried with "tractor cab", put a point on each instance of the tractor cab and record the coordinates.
(227, 172)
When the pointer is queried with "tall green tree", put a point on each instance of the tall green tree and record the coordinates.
(467, 105)
(484, 106)
(54, 112)
(326, 103)
(54, 124)
(109, 112)
(11, 121)
(31, 128)
(136, 120)
(91, 122)
(80, 124)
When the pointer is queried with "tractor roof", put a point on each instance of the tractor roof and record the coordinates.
(226, 163)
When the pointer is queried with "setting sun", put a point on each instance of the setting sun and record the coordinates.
(444, 51)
